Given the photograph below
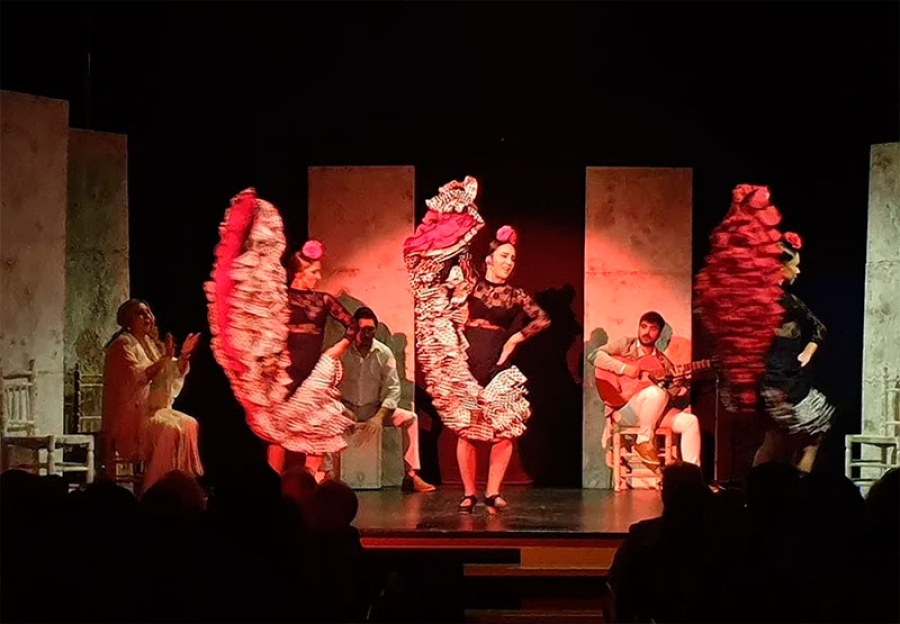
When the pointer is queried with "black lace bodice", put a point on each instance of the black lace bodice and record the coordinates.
(798, 328)
(500, 304)
(313, 307)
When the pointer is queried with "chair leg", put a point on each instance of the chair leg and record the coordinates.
(90, 462)
(336, 465)
(617, 461)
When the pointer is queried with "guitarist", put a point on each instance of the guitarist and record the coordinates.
(643, 403)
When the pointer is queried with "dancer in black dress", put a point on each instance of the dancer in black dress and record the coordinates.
(494, 306)
(800, 413)
(268, 334)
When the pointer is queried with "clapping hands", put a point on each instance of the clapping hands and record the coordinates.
(190, 345)
(169, 344)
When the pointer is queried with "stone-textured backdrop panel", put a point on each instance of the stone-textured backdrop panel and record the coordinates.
(637, 258)
(363, 215)
(881, 333)
(97, 277)
(34, 140)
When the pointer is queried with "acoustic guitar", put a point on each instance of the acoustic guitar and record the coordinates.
(617, 390)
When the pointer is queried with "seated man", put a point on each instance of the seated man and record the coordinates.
(631, 398)
(371, 390)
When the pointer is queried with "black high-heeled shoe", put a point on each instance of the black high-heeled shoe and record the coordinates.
(463, 507)
(496, 501)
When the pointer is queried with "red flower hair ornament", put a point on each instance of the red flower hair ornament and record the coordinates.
(793, 239)
(507, 234)
(313, 250)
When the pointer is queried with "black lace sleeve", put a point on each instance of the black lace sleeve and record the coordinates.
(815, 328)
(339, 313)
(539, 319)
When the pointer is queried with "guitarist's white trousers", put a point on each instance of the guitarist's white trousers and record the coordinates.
(647, 410)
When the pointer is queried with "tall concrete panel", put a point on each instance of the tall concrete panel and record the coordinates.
(637, 258)
(363, 215)
(97, 276)
(34, 136)
(881, 342)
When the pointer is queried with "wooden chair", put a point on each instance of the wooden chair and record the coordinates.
(46, 452)
(88, 419)
(88, 401)
(130, 474)
(628, 467)
(868, 456)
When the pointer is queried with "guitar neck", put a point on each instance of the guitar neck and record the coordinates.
(690, 367)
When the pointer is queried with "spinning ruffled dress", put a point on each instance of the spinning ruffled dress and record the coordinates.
(441, 277)
(286, 385)
(757, 328)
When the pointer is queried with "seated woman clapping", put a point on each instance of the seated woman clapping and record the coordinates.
(141, 380)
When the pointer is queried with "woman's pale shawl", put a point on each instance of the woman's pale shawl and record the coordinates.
(130, 399)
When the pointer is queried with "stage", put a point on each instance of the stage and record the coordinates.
(389, 518)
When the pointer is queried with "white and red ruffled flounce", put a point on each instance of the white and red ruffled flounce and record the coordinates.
(248, 317)
(500, 410)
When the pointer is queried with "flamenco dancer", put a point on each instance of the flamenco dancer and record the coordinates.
(461, 320)
(765, 336)
(268, 336)
(494, 306)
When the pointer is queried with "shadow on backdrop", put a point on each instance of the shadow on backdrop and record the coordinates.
(551, 447)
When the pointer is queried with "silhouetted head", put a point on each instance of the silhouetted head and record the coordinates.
(176, 494)
(882, 516)
(684, 492)
(773, 490)
(298, 485)
(333, 505)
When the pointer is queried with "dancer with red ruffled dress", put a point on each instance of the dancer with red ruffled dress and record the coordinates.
(268, 336)
(763, 336)
(800, 413)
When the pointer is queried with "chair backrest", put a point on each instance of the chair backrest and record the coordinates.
(88, 401)
(18, 402)
(891, 405)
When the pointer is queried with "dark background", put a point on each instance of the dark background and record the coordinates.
(218, 96)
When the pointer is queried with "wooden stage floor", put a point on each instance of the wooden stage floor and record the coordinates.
(536, 515)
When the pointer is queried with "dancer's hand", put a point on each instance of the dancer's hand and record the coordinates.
(509, 347)
(807, 353)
